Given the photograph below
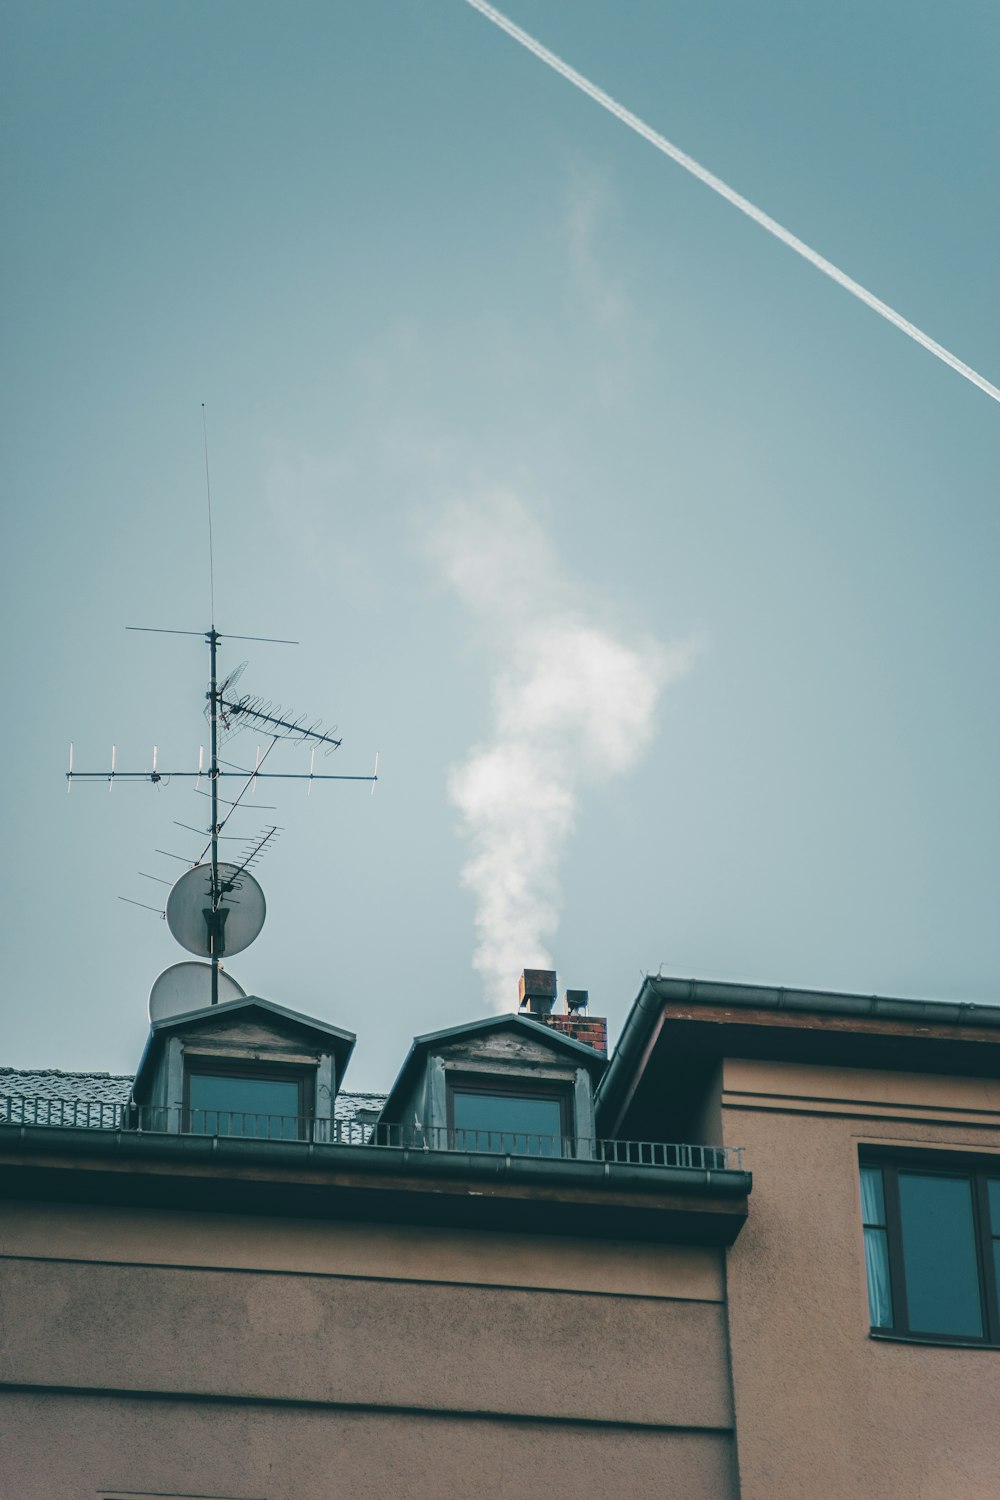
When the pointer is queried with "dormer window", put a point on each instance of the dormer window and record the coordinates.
(509, 1085)
(242, 1068)
(487, 1114)
(267, 1102)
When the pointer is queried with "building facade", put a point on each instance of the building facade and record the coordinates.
(524, 1271)
(861, 1307)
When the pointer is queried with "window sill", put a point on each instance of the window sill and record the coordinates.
(877, 1336)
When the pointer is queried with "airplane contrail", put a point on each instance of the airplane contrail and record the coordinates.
(736, 199)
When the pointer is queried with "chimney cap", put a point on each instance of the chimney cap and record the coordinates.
(577, 1000)
(536, 990)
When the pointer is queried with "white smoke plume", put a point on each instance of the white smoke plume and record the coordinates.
(573, 704)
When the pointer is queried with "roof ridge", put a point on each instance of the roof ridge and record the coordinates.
(63, 1073)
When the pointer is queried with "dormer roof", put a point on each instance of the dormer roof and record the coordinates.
(277, 1018)
(560, 1046)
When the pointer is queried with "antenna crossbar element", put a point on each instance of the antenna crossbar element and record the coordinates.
(296, 776)
(153, 776)
(145, 906)
(270, 640)
(256, 850)
(256, 713)
(157, 776)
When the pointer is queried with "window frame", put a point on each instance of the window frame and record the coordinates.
(212, 1067)
(979, 1170)
(556, 1089)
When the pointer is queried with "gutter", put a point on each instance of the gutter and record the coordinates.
(826, 1002)
(624, 1070)
(221, 1152)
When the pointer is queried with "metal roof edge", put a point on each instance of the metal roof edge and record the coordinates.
(420, 1044)
(247, 1002)
(336, 1034)
(223, 1151)
(657, 990)
(832, 1002)
(639, 1024)
(508, 1018)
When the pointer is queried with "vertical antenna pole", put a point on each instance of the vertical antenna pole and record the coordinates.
(213, 699)
(208, 496)
(213, 696)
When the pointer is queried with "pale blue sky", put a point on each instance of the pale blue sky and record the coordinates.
(407, 267)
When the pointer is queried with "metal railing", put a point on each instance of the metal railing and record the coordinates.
(93, 1114)
(151, 1119)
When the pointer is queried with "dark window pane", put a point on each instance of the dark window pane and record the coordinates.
(234, 1105)
(872, 1196)
(994, 1191)
(877, 1267)
(939, 1255)
(522, 1123)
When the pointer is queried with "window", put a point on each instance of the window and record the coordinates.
(932, 1248)
(246, 1102)
(526, 1120)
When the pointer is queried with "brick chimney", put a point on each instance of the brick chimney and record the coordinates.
(537, 994)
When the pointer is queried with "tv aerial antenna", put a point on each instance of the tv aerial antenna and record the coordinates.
(216, 908)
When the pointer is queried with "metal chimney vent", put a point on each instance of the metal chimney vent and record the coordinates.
(536, 991)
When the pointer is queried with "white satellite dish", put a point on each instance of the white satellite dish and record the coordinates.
(188, 986)
(241, 910)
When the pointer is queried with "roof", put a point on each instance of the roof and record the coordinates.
(816, 1025)
(353, 1106)
(582, 1054)
(52, 1083)
(116, 1088)
(331, 1038)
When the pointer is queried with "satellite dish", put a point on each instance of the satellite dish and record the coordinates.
(188, 986)
(240, 913)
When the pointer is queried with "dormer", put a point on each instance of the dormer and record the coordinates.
(244, 1068)
(507, 1084)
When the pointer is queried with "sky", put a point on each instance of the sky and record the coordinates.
(659, 571)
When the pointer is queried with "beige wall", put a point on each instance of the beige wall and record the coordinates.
(95, 1446)
(71, 1231)
(821, 1408)
(537, 1366)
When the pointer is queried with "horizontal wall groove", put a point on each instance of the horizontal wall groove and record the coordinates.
(732, 1097)
(854, 1113)
(445, 1281)
(363, 1408)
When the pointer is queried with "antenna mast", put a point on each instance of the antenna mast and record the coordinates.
(213, 701)
(229, 714)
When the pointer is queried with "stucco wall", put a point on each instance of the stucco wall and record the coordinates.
(72, 1231)
(96, 1446)
(821, 1408)
(602, 1372)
